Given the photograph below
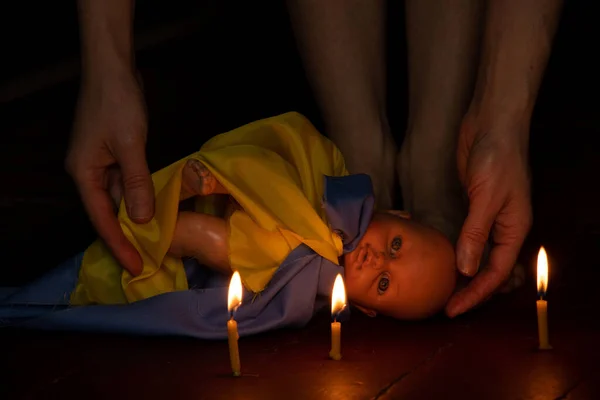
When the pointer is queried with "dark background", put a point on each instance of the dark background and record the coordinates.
(211, 66)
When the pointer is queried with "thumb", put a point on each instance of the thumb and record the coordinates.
(474, 234)
(138, 188)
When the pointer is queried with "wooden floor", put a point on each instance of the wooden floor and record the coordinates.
(245, 67)
(488, 354)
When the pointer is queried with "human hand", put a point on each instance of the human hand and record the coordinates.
(493, 168)
(107, 156)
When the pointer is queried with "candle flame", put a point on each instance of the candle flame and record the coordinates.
(542, 271)
(338, 295)
(234, 299)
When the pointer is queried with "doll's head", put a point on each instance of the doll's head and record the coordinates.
(400, 268)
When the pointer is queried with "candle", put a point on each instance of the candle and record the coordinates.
(338, 302)
(542, 305)
(234, 300)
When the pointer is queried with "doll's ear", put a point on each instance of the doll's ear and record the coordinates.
(399, 213)
(368, 311)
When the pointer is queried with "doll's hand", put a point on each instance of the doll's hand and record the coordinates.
(493, 168)
(107, 155)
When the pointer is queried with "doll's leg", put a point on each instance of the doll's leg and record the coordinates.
(203, 237)
(442, 59)
(199, 235)
(197, 180)
(342, 46)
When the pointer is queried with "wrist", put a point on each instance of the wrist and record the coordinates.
(111, 86)
(503, 104)
(507, 125)
(108, 58)
(107, 72)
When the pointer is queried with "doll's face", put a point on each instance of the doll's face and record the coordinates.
(400, 268)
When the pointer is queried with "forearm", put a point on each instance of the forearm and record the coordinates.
(203, 237)
(106, 34)
(515, 50)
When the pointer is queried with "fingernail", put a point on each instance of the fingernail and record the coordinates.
(467, 263)
(140, 212)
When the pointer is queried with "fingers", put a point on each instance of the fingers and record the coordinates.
(109, 134)
(475, 233)
(99, 207)
(502, 260)
(138, 188)
(115, 188)
(511, 227)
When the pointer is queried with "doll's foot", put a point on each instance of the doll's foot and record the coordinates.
(197, 180)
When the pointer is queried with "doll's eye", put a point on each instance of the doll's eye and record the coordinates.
(396, 244)
(384, 283)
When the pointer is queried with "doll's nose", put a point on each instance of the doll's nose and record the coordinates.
(374, 259)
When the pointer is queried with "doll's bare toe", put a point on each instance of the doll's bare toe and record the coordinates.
(197, 179)
(189, 182)
(199, 168)
(207, 180)
(208, 185)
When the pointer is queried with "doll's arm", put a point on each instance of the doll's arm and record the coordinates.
(203, 237)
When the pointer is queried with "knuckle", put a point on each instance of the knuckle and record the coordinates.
(135, 181)
(134, 135)
(523, 226)
(477, 185)
(503, 274)
(72, 167)
(127, 140)
(480, 294)
(476, 235)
